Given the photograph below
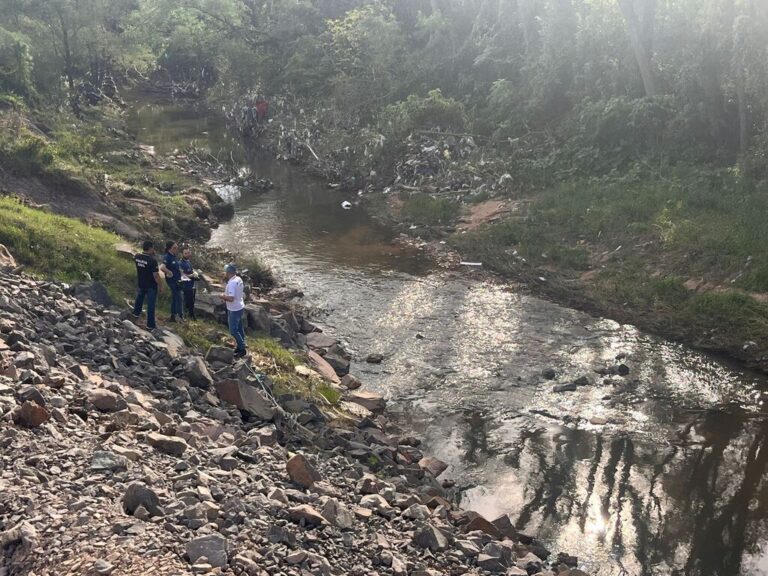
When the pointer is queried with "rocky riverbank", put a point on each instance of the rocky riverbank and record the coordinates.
(124, 452)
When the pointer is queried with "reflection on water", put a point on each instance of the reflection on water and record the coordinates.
(673, 483)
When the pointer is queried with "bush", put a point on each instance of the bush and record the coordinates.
(26, 155)
(435, 111)
(257, 272)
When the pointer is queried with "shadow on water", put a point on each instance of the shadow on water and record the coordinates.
(673, 483)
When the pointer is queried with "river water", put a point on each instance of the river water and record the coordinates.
(673, 483)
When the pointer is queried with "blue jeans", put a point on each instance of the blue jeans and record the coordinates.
(235, 320)
(176, 300)
(151, 296)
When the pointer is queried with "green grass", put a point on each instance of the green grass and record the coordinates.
(331, 394)
(699, 221)
(273, 349)
(427, 211)
(25, 154)
(690, 223)
(201, 334)
(63, 248)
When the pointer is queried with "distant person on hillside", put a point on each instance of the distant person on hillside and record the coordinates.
(234, 298)
(188, 279)
(170, 267)
(148, 276)
(262, 109)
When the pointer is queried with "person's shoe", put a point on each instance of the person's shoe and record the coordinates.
(240, 353)
(172, 320)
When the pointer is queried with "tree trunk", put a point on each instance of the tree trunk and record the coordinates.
(68, 65)
(640, 44)
(741, 97)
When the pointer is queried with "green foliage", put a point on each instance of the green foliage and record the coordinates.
(366, 47)
(331, 394)
(258, 273)
(435, 111)
(425, 210)
(63, 248)
(16, 64)
(25, 154)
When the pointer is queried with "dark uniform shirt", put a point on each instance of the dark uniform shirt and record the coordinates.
(146, 267)
(186, 268)
(172, 265)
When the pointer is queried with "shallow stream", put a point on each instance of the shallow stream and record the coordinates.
(673, 483)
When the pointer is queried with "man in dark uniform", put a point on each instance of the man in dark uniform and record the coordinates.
(149, 282)
(188, 279)
(172, 271)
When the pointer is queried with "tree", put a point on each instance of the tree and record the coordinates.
(640, 16)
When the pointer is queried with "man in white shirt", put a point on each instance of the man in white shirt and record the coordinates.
(234, 299)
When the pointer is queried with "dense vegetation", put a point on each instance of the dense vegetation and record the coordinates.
(596, 84)
(634, 133)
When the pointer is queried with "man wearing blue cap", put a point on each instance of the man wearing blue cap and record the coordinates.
(235, 301)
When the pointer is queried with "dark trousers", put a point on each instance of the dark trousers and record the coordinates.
(176, 300)
(189, 301)
(150, 294)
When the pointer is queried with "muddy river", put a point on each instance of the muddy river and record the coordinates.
(659, 472)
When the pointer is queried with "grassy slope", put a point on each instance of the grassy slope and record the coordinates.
(685, 255)
(93, 165)
(55, 246)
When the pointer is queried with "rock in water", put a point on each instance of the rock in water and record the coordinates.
(301, 472)
(570, 387)
(623, 370)
(213, 547)
(350, 382)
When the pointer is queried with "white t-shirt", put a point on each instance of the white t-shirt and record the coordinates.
(235, 289)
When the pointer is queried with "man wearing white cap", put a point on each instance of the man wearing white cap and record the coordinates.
(234, 299)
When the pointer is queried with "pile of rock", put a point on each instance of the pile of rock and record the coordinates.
(123, 453)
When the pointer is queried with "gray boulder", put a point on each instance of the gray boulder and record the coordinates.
(213, 547)
(197, 373)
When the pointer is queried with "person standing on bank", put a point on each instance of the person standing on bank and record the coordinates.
(172, 271)
(188, 279)
(234, 298)
(148, 276)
